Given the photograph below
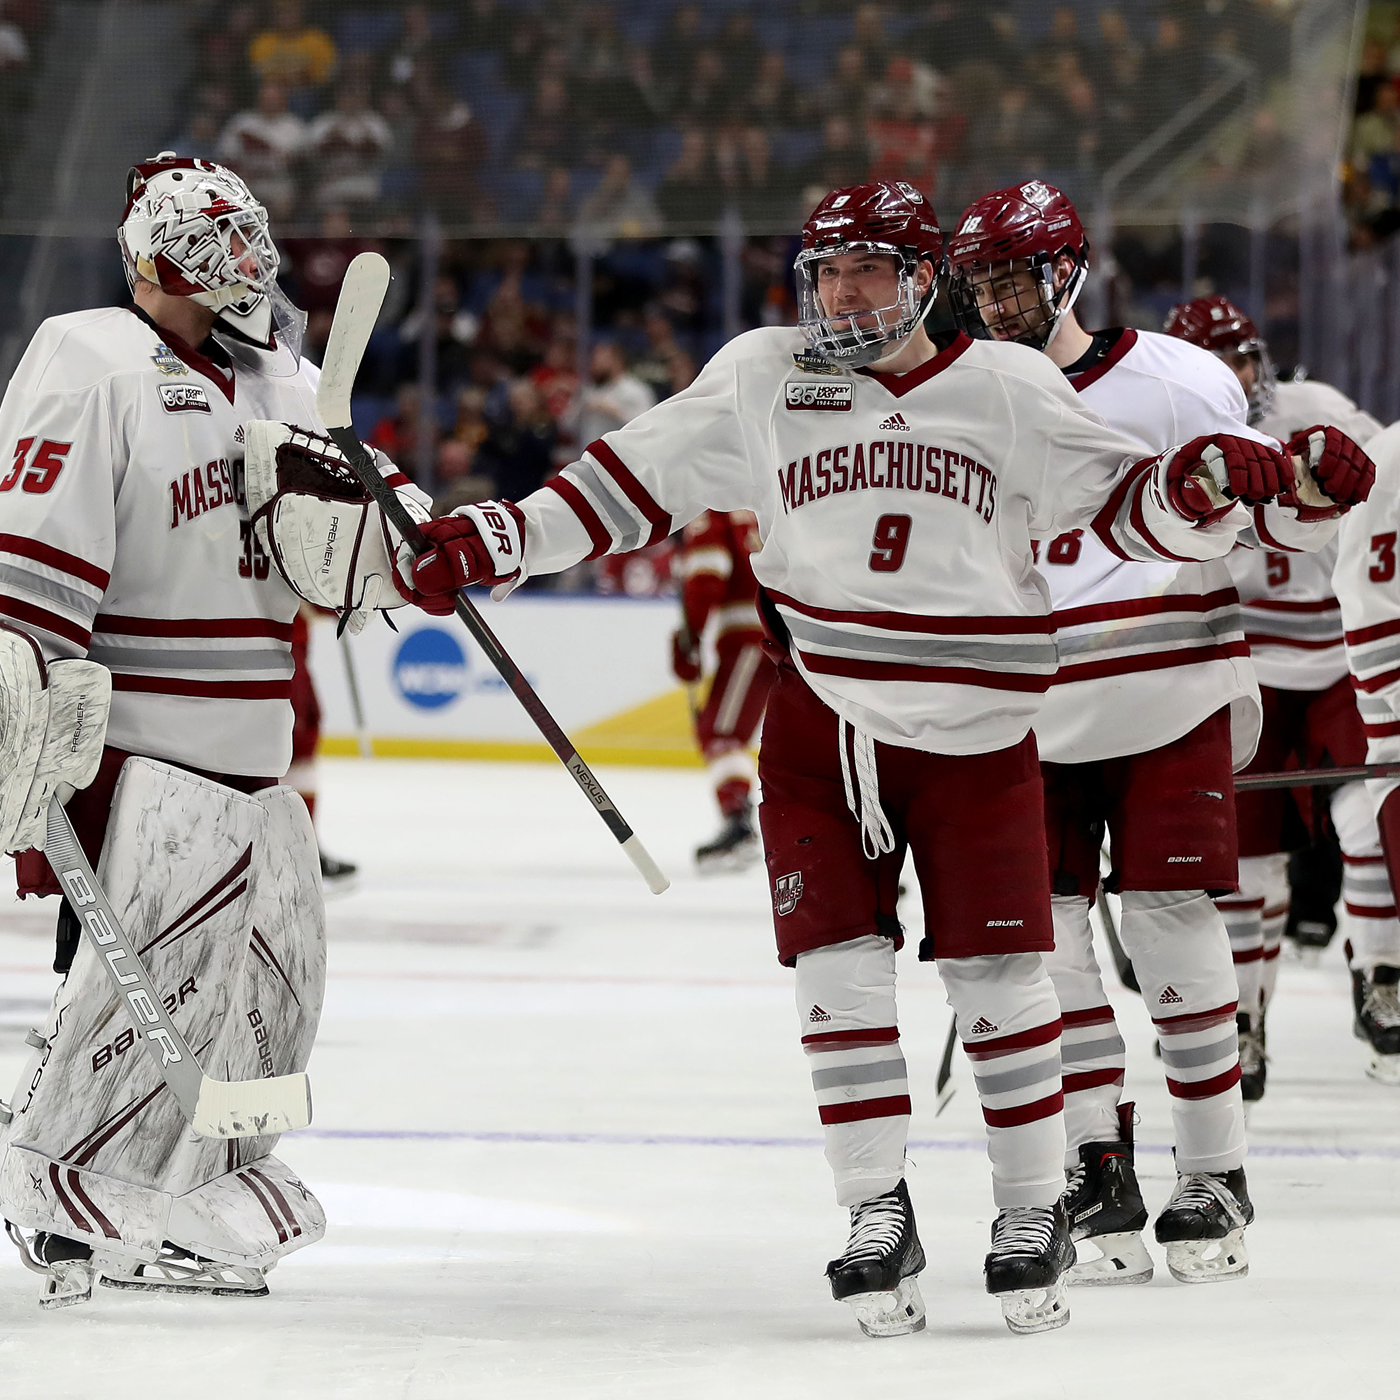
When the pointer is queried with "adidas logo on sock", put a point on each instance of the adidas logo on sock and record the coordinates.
(1169, 997)
(817, 1014)
(982, 1026)
(894, 424)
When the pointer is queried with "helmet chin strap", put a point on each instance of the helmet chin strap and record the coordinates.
(897, 346)
(1069, 294)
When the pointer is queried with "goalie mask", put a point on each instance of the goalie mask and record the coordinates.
(1006, 263)
(892, 219)
(194, 229)
(1218, 325)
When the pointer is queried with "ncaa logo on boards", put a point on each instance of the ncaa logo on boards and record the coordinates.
(430, 668)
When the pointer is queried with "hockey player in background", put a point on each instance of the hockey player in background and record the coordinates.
(718, 583)
(897, 481)
(1293, 624)
(1153, 706)
(130, 550)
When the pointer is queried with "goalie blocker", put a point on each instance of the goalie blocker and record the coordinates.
(220, 891)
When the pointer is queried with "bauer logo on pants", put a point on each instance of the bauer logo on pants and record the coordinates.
(787, 890)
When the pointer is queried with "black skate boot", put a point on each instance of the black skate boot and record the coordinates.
(1203, 1224)
(1254, 1068)
(1028, 1265)
(1377, 1002)
(876, 1273)
(735, 848)
(1104, 1207)
(1315, 882)
(65, 1266)
(337, 874)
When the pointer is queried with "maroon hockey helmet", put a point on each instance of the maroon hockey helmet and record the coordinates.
(1216, 324)
(887, 217)
(1003, 260)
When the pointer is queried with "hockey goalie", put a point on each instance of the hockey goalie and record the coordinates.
(167, 503)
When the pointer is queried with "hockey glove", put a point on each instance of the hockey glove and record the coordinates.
(483, 543)
(1206, 476)
(1336, 473)
(685, 656)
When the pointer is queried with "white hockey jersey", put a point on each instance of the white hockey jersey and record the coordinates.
(123, 536)
(1292, 620)
(1367, 580)
(896, 513)
(1150, 650)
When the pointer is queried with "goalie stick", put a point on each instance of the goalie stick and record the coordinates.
(361, 296)
(216, 1108)
(1316, 777)
(945, 1086)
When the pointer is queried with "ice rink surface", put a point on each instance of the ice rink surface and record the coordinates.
(566, 1141)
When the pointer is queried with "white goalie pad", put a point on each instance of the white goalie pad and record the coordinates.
(328, 538)
(220, 893)
(53, 721)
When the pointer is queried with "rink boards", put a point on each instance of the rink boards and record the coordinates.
(601, 665)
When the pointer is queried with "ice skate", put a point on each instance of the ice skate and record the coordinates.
(337, 875)
(1377, 1002)
(1203, 1226)
(178, 1271)
(1028, 1264)
(1104, 1208)
(876, 1272)
(65, 1267)
(735, 848)
(1253, 1062)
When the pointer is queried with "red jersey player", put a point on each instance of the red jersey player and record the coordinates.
(719, 585)
(897, 481)
(1153, 705)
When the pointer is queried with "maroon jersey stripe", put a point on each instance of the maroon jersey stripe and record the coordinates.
(50, 622)
(578, 503)
(1103, 522)
(1091, 1079)
(192, 627)
(1204, 1088)
(203, 690)
(867, 1108)
(1009, 1044)
(1146, 607)
(1047, 1107)
(1358, 636)
(1196, 1020)
(1150, 661)
(905, 671)
(921, 622)
(632, 488)
(55, 558)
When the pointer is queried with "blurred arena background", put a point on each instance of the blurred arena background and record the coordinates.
(582, 200)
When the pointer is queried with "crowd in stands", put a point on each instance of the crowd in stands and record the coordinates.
(23, 24)
(1371, 171)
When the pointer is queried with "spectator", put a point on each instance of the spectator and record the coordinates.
(704, 97)
(1017, 129)
(771, 100)
(613, 398)
(349, 146)
(747, 177)
(1373, 133)
(317, 265)
(555, 214)
(688, 195)
(674, 53)
(619, 207)
(264, 146)
(906, 87)
(844, 159)
(549, 133)
(449, 145)
(902, 133)
(408, 64)
(518, 453)
(738, 48)
(654, 369)
(486, 25)
(522, 52)
(470, 429)
(397, 436)
(456, 330)
(14, 47)
(292, 54)
(845, 93)
(201, 138)
(869, 38)
(556, 377)
(1370, 75)
(222, 57)
(955, 32)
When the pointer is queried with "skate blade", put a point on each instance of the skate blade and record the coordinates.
(886, 1314)
(1027, 1310)
(65, 1285)
(1384, 1069)
(1208, 1261)
(211, 1290)
(1123, 1258)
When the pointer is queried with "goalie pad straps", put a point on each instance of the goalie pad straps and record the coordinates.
(329, 540)
(98, 1150)
(53, 720)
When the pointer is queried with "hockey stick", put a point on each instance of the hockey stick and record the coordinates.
(361, 296)
(945, 1070)
(1316, 777)
(1121, 961)
(216, 1108)
(357, 709)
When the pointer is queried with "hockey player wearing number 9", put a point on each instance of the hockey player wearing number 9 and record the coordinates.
(1153, 706)
(155, 526)
(897, 480)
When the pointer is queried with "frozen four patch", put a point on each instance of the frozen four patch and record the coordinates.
(811, 363)
(184, 398)
(831, 398)
(168, 362)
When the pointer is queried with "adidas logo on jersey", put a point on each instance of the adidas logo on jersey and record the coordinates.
(894, 424)
(817, 1014)
(1170, 997)
(982, 1026)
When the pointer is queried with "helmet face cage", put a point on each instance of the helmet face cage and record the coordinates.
(862, 337)
(1261, 392)
(1026, 314)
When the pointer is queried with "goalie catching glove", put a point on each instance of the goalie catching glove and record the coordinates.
(312, 514)
(53, 720)
(483, 543)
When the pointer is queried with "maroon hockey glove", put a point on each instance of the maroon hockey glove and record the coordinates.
(1207, 475)
(685, 656)
(1343, 472)
(483, 543)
